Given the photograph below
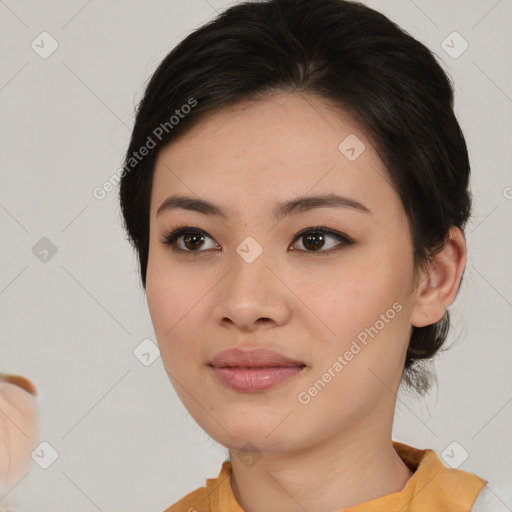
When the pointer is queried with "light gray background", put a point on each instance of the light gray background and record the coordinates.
(71, 324)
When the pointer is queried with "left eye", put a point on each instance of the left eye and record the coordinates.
(315, 238)
(312, 239)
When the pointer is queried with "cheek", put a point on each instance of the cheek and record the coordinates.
(173, 301)
(350, 295)
(364, 301)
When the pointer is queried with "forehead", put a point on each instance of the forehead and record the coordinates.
(281, 147)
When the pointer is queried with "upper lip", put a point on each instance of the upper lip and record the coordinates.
(256, 358)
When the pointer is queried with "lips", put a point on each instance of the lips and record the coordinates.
(251, 371)
(257, 358)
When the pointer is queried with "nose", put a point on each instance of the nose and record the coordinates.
(253, 295)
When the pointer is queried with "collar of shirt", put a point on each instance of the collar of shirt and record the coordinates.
(433, 486)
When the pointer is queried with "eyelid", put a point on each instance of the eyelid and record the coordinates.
(170, 237)
(323, 229)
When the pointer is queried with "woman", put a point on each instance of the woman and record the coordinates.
(296, 187)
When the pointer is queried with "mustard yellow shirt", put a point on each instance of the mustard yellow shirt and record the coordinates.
(432, 488)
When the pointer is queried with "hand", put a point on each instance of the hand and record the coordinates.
(19, 422)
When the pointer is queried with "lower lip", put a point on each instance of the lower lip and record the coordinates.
(255, 379)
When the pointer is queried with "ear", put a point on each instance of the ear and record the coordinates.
(438, 287)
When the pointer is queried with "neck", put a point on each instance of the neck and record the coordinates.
(353, 466)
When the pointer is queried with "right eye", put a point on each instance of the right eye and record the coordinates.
(191, 238)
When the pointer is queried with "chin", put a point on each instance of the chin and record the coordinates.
(251, 437)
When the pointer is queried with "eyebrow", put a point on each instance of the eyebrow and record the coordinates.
(294, 206)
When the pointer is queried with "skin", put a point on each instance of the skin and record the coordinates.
(335, 451)
(19, 424)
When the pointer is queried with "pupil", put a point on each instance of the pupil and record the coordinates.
(309, 245)
(193, 236)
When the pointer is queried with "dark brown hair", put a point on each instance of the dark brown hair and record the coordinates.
(351, 56)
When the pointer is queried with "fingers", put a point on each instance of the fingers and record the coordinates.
(21, 382)
(19, 423)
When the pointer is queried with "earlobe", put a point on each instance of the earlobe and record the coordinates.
(438, 287)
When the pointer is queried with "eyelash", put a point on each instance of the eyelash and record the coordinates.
(172, 236)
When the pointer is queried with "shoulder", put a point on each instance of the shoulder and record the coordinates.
(215, 495)
(196, 501)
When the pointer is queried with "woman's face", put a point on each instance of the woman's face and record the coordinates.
(340, 310)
